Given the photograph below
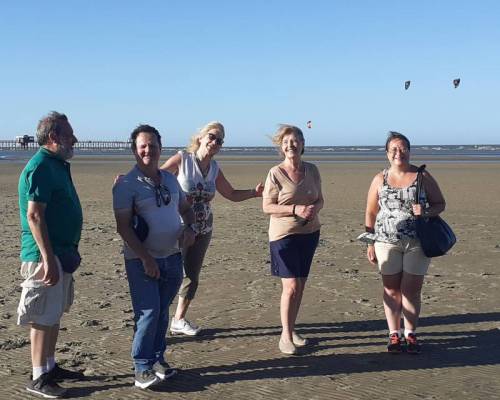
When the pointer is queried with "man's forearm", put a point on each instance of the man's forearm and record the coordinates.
(129, 236)
(39, 230)
(188, 216)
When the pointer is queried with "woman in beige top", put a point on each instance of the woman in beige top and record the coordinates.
(292, 197)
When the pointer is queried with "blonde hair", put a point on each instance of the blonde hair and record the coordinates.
(284, 130)
(194, 144)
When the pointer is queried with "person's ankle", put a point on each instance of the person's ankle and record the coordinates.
(286, 338)
(408, 332)
(39, 371)
(51, 363)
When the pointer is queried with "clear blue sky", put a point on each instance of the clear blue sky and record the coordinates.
(110, 65)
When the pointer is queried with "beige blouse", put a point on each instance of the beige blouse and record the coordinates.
(283, 191)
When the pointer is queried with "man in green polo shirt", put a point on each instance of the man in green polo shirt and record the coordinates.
(51, 224)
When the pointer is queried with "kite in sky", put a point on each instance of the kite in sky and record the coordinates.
(407, 85)
(456, 82)
(309, 124)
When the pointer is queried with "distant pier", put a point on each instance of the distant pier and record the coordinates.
(95, 145)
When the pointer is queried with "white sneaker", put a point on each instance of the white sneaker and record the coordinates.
(298, 340)
(184, 326)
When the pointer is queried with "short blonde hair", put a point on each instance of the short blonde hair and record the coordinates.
(284, 130)
(194, 144)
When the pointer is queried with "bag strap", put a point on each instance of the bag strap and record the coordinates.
(420, 171)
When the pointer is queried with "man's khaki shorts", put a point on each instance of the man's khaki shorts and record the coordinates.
(406, 255)
(41, 304)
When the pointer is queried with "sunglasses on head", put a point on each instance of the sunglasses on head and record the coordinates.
(212, 137)
(162, 194)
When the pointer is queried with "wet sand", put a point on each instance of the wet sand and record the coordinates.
(238, 301)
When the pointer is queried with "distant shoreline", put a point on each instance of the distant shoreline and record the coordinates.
(321, 154)
(249, 159)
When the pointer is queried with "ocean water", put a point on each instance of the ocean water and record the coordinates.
(434, 153)
(447, 151)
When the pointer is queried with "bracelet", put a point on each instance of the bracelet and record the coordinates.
(369, 230)
(293, 210)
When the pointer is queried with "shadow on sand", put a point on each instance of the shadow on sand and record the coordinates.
(443, 349)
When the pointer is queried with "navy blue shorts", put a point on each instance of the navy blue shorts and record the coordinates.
(291, 257)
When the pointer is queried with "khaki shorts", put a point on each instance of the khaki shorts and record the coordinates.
(406, 255)
(41, 304)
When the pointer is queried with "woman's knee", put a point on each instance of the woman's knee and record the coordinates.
(411, 294)
(392, 292)
(411, 286)
(192, 270)
(188, 288)
(291, 288)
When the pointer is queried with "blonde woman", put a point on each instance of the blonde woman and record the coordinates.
(200, 176)
(293, 198)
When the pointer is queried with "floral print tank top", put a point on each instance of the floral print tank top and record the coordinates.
(199, 189)
(395, 219)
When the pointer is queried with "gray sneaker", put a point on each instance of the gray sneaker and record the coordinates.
(183, 326)
(163, 371)
(145, 379)
(60, 374)
(46, 386)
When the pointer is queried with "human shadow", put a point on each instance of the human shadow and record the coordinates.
(442, 349)
(111, 382)
(333, 327)
(472, 348)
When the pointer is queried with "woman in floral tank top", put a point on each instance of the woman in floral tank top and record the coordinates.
(200, 177)
(390, 222)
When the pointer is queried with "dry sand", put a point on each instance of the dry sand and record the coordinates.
(238, 300)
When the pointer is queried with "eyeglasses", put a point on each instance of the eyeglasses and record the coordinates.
(402, 150)
(162, 194)
(219, 141)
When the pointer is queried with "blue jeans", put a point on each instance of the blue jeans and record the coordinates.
(151, 299)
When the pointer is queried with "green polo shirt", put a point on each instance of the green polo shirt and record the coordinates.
(47, 179)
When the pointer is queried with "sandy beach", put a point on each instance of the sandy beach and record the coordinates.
(237, 305)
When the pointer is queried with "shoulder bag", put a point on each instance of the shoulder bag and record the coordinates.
(70, 260)
(436, 236)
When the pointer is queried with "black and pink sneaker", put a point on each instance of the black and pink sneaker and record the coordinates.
(394, 345)
(412, 346)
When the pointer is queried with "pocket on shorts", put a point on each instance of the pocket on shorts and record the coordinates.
(32, 272)
(33, 301)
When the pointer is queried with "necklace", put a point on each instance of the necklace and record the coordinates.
(203, 170)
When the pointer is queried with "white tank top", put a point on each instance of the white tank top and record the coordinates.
(199, 189)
